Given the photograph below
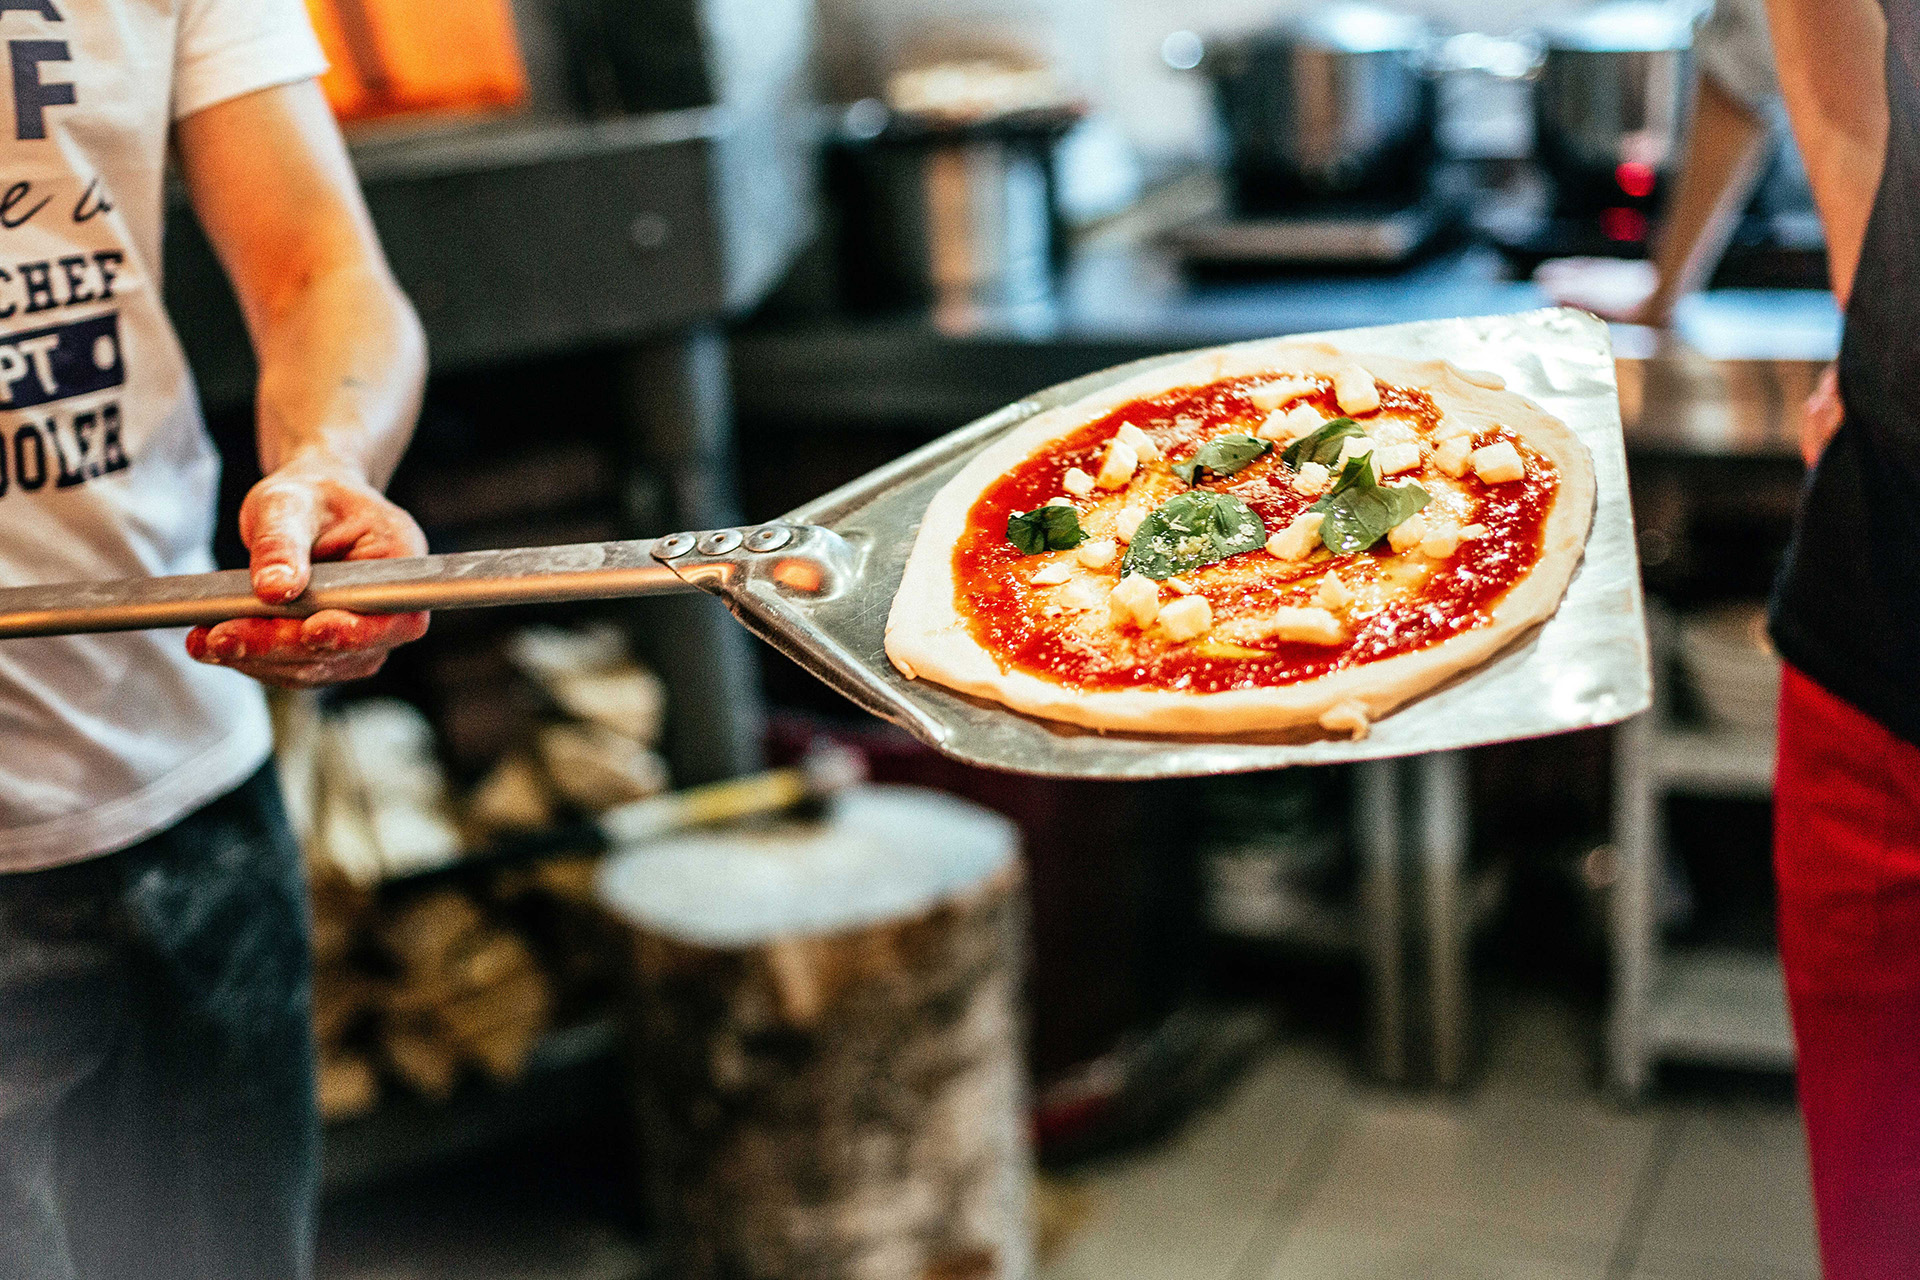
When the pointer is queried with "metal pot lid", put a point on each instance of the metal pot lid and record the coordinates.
(1349, 28)
(870, 122)
(1623, 26)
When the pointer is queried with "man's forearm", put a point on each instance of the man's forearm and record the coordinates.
(342, 359)
(342, 366)
(1832, 73)
(1723, 156)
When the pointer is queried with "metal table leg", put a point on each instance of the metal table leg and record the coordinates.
(678, 396)
(1440, 782)
(1637, 858)
(1377, 826)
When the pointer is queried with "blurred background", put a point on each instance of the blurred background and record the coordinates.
(641, 953)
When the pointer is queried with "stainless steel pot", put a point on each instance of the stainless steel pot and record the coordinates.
(1337, 102)
(1610, 102)
(946, 215)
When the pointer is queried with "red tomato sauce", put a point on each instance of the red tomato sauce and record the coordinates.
(1003, 609)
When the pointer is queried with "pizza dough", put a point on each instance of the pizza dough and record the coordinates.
(930, 637)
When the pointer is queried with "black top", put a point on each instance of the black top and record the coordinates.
(1846, 607)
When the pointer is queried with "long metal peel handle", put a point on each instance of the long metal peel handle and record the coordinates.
(798, 558)
(465, 580)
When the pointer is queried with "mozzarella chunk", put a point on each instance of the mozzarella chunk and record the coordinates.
(1499, 463)
(1353, 389)
(1313, 479)
(1392, 459)
(1454, 456)
(1448, 428)
(1142, 442)
(1442, 540)
(1353, 447)
(1187, 618)
(1077, 482)
(1408, 534)
(1082, 595)
(1053, 574)
(1268, 396)
(1117, 468)
(1096, 553)
(1333, 593)
(1181, 585)
(1127, 523)
(1346, 717)
(1298, 540)
(1291, 424)
(1305, 626)
(1136, 600)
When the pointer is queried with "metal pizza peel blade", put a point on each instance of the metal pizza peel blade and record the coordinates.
(818, 584)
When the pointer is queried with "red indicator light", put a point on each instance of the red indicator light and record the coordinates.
(1623, 224)
(1635, 178)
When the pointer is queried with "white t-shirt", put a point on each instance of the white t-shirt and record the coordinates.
(105, 467)
(1734, 48)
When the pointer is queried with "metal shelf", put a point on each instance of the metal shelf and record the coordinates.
(1721, 1005)
(1709, 762)
(1715, 1006)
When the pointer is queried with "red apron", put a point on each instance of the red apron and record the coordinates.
(1847, 856)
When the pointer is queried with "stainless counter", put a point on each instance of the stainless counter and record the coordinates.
(1727, 381)
(1730, 379)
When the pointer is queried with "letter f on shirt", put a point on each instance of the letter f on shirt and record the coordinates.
(32, 95)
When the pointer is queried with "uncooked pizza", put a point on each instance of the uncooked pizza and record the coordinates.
(1265, 537)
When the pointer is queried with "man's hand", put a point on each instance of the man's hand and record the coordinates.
(342, 365)
(307, 511)
(1617, 289)
(1820, 416)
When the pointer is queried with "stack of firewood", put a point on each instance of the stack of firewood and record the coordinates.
(594, 744)
(346, 996)
(372, 785)
(424, 993)
(466, 995)
(419, 990)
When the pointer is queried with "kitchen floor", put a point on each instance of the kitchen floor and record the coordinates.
(1299, 1173)
(1303, 1174)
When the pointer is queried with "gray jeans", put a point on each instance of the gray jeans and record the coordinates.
(157, 1118)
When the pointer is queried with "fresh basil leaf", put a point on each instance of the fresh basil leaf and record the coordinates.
(1360, 511)
(1322, 446)
(1222, 456)
(1191, 529)
(1048, 528)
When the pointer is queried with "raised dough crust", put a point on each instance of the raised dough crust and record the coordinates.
(927, 638)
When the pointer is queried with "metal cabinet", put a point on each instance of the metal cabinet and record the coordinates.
(1721, 1006)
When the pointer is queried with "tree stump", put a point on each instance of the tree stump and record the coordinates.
(830, 1075)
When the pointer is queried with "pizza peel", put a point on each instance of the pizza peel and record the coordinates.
(818, 583)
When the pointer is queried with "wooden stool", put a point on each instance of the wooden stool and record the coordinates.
(830, 1077)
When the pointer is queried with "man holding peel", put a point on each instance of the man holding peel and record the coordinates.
(156, 1092)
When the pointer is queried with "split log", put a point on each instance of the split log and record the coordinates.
(830, 1077)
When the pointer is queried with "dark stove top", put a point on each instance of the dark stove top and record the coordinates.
(1362, 235)
(1784, 251)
